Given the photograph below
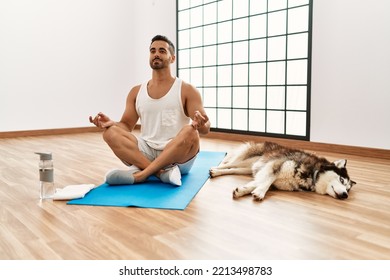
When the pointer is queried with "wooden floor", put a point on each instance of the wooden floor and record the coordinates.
(214, 226)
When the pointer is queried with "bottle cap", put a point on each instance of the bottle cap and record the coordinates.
(45, 156)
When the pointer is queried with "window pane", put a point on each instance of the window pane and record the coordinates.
(258, 26)
(277, 5)
(240, 8)
(184, 19)
(196, 57)
(210, 55)
(298, 19)
(275, 98)
(296, 98)
(257, 73)
(258, 6)
(277, 23)
(224, 117)
(196, 37)
(197, 77)
(195, 3)
(240, 52)
(224, 97)
(184, 39)
(224, 54)
(293, 3)
(240, 29)
(210, 13)
(297, 46)
(210, 97)
(184, 74)
(257, 120)
(210, 76)
(257, 97)
(296, 123)
(258, 50)
(276, 73)
(196, 16)
(225, 10)
(275, 122)
(212, 114)
(183, 4)
(240, 74)
(297, 72)
(240, 119)
(210, 34)
(184, 60)
(277, 48)
(224, 75)
(225, 32)
(240, 97)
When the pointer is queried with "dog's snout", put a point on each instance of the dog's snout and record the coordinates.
(343, 195)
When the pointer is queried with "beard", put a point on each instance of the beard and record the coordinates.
(157, 64)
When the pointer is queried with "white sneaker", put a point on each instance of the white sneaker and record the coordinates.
(121, 177)
(171, 176)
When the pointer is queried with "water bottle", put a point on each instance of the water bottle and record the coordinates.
(46, 175)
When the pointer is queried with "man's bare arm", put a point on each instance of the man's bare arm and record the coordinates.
(195, 110)
(130, 117)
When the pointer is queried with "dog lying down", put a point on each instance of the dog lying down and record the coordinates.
(286, 169)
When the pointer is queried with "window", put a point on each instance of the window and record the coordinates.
(250, 59)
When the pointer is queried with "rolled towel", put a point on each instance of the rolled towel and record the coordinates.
(73, 192)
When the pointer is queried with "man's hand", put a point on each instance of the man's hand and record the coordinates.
(101, 120)
(199, 120)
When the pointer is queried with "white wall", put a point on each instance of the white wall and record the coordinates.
(351, 73)
(153, 17)
(61, 61)
(78, 57)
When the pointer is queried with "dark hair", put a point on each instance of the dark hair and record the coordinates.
(165, 39)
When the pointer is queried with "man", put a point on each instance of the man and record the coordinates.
(169, 140)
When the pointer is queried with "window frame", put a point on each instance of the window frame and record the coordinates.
(280, 115)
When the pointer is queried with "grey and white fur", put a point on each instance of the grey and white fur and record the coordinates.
(285, 169)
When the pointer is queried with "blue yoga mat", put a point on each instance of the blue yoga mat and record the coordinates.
(153, 193)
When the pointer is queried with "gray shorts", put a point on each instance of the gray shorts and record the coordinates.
(152, 154)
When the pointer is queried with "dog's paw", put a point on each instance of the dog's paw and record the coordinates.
(213, 172)
(239, 192)
(243, 190)
(236, 193)
(257, 196)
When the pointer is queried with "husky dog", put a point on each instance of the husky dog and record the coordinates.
(286, 169)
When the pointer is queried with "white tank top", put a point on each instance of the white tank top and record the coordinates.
(163, 118)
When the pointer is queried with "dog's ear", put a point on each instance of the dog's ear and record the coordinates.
(352, 183)
(341, 163)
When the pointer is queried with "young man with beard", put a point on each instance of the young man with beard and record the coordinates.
(172, 117)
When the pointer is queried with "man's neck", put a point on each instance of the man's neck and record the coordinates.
(161, 76)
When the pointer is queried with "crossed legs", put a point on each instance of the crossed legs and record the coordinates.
(179, 150)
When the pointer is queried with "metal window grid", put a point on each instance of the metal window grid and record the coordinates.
(224, 64)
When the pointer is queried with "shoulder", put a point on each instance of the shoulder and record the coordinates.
(134, 90)
(132, 96)
(189, 89)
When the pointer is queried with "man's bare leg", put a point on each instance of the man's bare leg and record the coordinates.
(125, 147)
(181, 149)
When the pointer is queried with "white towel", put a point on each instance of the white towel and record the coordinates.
(73, 192)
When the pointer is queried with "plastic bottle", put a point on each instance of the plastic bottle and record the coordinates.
(46, 175)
